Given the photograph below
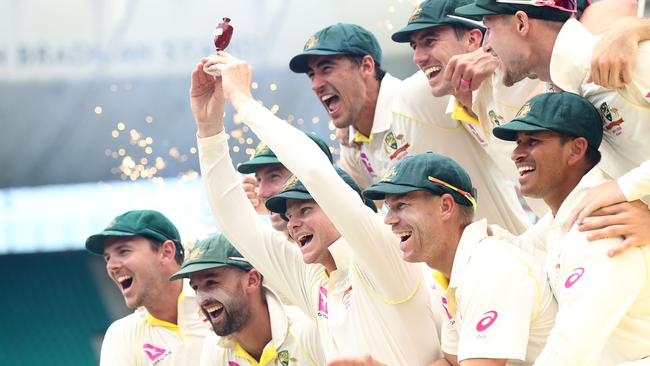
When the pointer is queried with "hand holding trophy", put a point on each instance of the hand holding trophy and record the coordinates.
(222, 36)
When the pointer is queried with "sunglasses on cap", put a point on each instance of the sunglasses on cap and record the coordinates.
(564, 5)
(467, 195)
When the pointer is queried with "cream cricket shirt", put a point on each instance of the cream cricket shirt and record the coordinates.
(294, 341)
(604, 303)
(499, 301)
(141, 339)
(374, 302)
(416, 122)
(625, 112)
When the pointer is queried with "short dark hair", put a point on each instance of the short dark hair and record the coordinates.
(155, 246)
(592, 155)
(379, 72)
(460, 30)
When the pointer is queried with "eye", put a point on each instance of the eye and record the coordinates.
(413, 45)
(194, 287)
(106, 258)
(305, 210)
(310, 74)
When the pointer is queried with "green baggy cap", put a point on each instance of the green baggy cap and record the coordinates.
(213, 252)
(566, 113)
(147, 223)
(433, 13)
(426, 171)
(482, 8)
(337, 39)
(265, 156)
(294, 189)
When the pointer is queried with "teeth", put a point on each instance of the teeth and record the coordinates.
(403, 235)
(523, 169)
(302, 239)
(121, 279)
(213, 308)
(430, 70)
(325, 98)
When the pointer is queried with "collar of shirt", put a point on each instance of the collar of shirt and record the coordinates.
(458, 112)
(381, 122)
(279, 331)
(593, 178)
(340, 251)
(186, 307)
(472, 235)
(571, 57)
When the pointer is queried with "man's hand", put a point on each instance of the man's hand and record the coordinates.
(615, 54)
(603, 195)
(474, 67)
(236, 77)
(206, 101)
(366, 360)
(250, 187)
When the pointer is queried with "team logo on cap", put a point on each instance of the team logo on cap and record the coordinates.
(195, 253)
(260, 148)
(416, 13)
(390, 174)
(311, 42)
(290, 183)
(524, 111)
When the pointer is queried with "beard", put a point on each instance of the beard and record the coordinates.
(235, 314)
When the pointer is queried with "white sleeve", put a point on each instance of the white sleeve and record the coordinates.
(635, 184)
(118, 347)
(595, 294)
(210, 351)
(532, 241)
(351, 162)
(374, 246)
(268, 250)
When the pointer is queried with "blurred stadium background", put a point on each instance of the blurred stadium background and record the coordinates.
(95, 121)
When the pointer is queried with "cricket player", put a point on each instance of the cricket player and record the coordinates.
(603, 303)
(545, 42)
(390, 119)
(142, 249)
(252, 324)
(346, 272)
(270, 175)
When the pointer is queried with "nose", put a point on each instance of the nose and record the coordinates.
(112, 264)
(293, 224)
(390, 218)
(420, 57)
(317, 83)
(265, 190)
(518, 153)
(487, 40)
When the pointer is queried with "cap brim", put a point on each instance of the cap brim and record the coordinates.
(95, 243)
(404, 35)
(193, 268)
(475, 10)
(380, 190)
(278, 203)
(299, 63)
(254, 164)
(509, 130)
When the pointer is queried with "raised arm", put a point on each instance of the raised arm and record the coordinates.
(375, 248)
(268, 250)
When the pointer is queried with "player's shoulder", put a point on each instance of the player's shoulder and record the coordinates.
(127, 324)
(494, 253)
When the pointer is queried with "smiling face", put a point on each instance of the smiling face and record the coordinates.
(312, 230)
(502, 40)
(432, 49)
(414, 218)
(541, 158)
(135, 267)
(220, 294)
(341, 85)
(270, 179)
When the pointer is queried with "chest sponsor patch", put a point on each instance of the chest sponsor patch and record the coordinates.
(445, 305)
(574, 277)
(366, 163)
(648, 95)
(487, 320)
(233, 363)
(346, 297)
(322, 302)
(395, 146)
(155, 354)
(612, 119)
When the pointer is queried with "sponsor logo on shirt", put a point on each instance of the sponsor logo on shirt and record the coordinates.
(346, 297)
(322, 302)
(477, 136)
(648, 95)
(613, 120)
(445, 304)
(232, 363)
(366, 163)
(283, 357)
(574, 277)
(489, 318)
(155, 354)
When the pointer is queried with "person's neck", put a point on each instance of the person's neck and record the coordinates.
(445, 263)
(544, 42)
(165, 305)
(256, 334)
(556, 198)
(367, 116)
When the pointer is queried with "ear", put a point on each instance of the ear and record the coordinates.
(167, 250)
(447, 206)
(522, 22)
(475, 40)
(577, 150)
(368, 65)
(253, 279)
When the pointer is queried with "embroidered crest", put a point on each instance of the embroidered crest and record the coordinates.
(260, 148)
(416, 13)
(524, 110)
(283, 357)
(195, 253)
(390, 174)
(494, 118)
(290, 182)
(311, 42)
(390, 140)
(612, 119)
